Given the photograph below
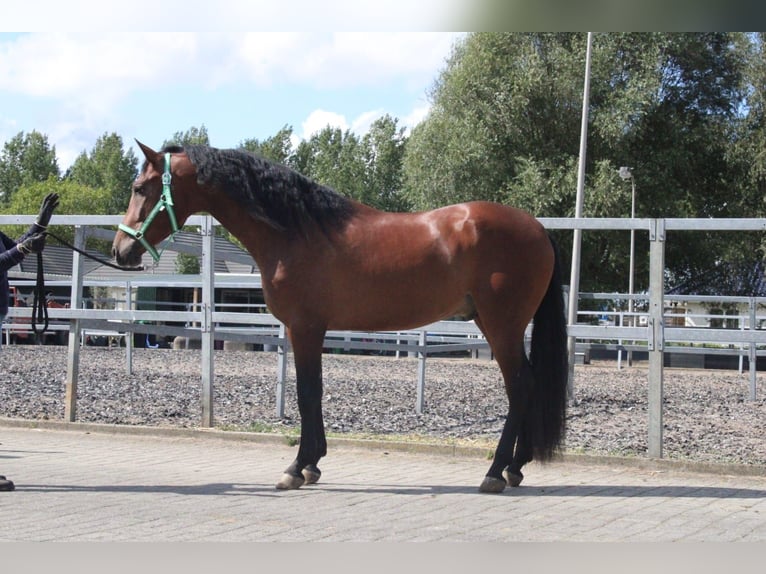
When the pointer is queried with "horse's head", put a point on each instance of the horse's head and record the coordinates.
(158, 205)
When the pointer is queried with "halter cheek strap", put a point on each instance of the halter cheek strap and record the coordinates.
(165, 203)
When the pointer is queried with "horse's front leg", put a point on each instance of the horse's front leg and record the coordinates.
(307, 348)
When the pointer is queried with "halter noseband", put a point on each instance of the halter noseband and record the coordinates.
(165, 203)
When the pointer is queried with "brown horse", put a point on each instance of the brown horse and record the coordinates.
(328, 262)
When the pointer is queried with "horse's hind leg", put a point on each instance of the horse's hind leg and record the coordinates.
(522, 454)
(307, 349)
(519, 398)
(517, 376)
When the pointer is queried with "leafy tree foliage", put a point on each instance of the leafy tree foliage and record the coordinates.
(187, 264)
(26, 158)
(192, 136)
(277, 148)
(368, 169)
(74, 199)
(383, 149)
(107, 166)
(505, 126)
(333, 158)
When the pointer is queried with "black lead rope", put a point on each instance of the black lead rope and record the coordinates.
(65, 243)
(40, 305)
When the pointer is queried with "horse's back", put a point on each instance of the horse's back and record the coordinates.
(505, 233)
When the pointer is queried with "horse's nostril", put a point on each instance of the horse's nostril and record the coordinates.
(116, 254)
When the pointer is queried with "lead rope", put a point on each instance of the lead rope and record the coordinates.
(40, 305)
(65, 243)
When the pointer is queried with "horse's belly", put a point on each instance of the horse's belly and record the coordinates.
(397, 308)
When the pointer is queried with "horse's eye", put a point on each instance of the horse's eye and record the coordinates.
(139, 190)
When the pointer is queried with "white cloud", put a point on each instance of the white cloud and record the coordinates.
(234, 15)
(416, 116)
(339, 59)
(361, 124)
(93, 71)
(62, 65)
(96, 66)
(320, 119)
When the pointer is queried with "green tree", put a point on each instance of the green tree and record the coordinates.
(187, 264)
(107, 166)
(74, 199)
(192, 136)
(26, 158)
(276, 148)
(505, 125)
(333, 158)
(383, 152)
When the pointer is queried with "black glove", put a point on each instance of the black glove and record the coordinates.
(50, 203)
(32, 244)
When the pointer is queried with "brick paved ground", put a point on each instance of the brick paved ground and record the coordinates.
(78, 485)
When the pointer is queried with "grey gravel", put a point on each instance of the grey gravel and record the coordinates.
(708, 415)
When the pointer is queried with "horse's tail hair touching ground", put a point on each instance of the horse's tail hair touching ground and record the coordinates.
(549, 359)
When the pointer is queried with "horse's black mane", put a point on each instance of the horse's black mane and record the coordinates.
(273, 193)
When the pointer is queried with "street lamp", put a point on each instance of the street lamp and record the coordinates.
(625, 173)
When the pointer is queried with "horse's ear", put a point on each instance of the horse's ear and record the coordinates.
(150, 155)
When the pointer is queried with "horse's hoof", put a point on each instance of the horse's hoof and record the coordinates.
(311, 474)
(512, 478)
(290, 482)
(492, 485)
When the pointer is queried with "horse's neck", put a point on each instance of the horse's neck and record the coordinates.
(260, 239)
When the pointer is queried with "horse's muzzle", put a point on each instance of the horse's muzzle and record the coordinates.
(127, 251)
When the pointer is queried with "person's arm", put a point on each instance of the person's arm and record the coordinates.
(11, 255)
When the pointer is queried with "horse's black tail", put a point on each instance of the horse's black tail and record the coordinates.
(549, 359)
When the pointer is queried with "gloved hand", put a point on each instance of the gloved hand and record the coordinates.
(32, 244)
(50, 203)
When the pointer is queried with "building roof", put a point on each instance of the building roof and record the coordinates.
(725, 279)
(57, 260)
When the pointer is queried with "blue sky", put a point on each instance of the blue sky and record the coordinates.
(74, 86)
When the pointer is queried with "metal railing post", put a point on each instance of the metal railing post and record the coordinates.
(282, 349)
(73, 351)
(657, 343)
(129, 334)
(422, 355)
(752, 352)
(207, 328)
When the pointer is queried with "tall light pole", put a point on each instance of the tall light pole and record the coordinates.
(626, 174)
(574, 283)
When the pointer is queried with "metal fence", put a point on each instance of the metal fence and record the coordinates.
(208, 324)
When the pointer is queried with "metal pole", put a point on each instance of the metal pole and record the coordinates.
(129, 334)
(574, 283)
(752, 353)
(282, 350)
(422, 356)
(73, 351)
(657, 343)
(207, 327)
(632, 255)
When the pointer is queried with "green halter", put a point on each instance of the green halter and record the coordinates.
(165, 203)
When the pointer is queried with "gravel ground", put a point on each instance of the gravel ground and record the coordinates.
(707, 415)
